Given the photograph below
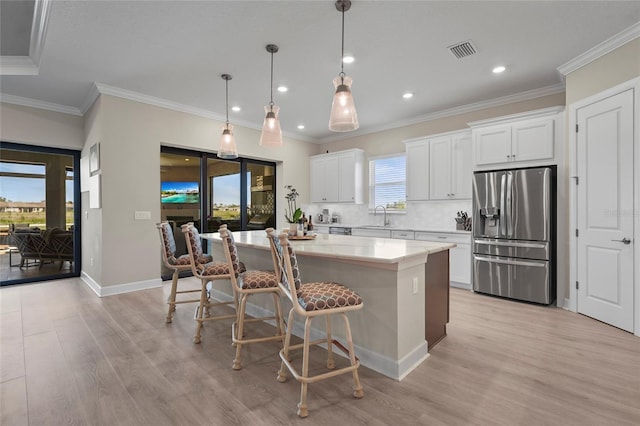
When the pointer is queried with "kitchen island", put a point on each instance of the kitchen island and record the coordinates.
(404, 285)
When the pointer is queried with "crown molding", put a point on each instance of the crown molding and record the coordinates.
(34, 103)
(504, 100)
(601, 49)
(526, 115)
(18, 65)
(174, 106)
(30, 65)
(39, 29)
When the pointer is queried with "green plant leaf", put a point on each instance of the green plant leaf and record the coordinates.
(297, 215)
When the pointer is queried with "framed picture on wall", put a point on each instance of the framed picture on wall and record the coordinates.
(94, 158)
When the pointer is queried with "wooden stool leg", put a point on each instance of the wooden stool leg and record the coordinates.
(203, 298)
(172, 296)
(237, 365)
(282, 373)
(330, 362)
(302, 406)
(358, 392)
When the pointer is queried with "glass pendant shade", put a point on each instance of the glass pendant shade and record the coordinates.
(344, 117)
(271, 132)
(228, 148)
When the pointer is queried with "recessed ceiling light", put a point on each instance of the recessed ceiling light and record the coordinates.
(300, 126)
(236, 108)
(282, 89)
(499, 69)
(348, 59)
(408, 95)
(186, 159)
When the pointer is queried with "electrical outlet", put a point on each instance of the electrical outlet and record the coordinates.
(142, 215)
(91, 261)
(415, 285)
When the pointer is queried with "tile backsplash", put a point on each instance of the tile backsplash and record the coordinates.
(431, 215)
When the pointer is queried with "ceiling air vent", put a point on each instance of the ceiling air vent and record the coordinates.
(461, 50)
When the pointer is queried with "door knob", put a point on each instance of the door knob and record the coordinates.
(625, 241)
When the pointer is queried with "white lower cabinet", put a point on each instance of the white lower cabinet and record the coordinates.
(367, 232)
(403, 235)
(459, 257)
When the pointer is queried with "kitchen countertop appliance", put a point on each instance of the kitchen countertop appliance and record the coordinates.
(514, 248)
(339, 230)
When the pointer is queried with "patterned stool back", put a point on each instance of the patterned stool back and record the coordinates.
(227, 239)
(290, 271)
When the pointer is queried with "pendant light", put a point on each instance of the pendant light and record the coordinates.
(271, 132)
(344, 117)
(228, 148)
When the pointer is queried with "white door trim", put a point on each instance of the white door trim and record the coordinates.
(571, 302)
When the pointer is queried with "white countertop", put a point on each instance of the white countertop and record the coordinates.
(380, 250)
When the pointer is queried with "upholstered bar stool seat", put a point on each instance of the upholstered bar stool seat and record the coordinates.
(245, 284)
(208, 273)
(177, 265)
(326, 295)
(309, 301)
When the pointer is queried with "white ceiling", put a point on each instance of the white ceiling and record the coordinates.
(176, 51)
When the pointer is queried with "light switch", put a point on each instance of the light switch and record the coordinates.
(142, 215)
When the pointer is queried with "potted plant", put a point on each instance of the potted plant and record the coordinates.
(292, 213)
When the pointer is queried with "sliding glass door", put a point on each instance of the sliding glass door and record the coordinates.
(39, 213)
(199, 187)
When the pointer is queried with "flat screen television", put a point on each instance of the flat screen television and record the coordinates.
(179, 193)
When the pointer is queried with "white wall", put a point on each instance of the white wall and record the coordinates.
(33, 126)
(130, 135)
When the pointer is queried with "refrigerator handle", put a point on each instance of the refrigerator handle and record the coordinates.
(509, 206)
(503, 220)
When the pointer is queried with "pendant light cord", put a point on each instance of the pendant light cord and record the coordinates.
(271, 102)
(342, 53)
(227, 99)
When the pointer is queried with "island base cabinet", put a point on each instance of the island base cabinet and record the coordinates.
(436, 297)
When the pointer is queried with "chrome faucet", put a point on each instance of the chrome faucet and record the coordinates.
(384, 209)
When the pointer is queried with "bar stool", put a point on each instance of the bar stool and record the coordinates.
(244, 285)
(207, 273)
(177, 264)
(311, 300)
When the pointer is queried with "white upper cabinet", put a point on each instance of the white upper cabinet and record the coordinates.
(439, 167)
(492, 145)
(532, 140)
(337, 177)
(525, 139)
(417, 163)
(450, 166)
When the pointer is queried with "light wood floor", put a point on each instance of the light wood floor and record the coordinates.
(71, 358)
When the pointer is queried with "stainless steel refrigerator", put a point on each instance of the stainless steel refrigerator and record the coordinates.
(514, 226)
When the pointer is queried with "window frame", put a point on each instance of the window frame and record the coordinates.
(373, 186)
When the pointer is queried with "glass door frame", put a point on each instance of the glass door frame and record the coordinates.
(77, 210)
(204, 182)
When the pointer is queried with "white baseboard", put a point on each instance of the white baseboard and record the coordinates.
(465, 286)
(396, 370)
(118, 288)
